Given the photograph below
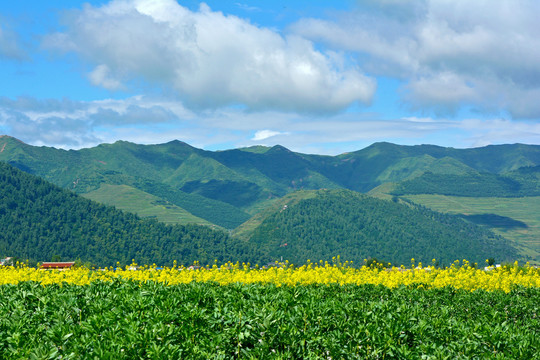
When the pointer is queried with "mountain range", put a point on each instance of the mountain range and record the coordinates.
(232, 190)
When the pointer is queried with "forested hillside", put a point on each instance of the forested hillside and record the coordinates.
(355, 226)
(236, 189)
(227, 187)
(41, 222)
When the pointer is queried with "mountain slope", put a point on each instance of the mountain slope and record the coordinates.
(513, 184)
(227, 187)
(355, 226)
(245, 230)
(381, 162)
(39, 221)
(521, 217)
(129, 199)
(144, 167)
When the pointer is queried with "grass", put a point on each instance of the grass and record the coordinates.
(145, 205)
(524, 209)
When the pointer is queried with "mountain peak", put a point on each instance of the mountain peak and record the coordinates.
(279, 148)
(177, 142)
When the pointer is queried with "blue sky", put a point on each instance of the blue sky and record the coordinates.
(315, 76)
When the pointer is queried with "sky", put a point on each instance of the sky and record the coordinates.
(322, 77)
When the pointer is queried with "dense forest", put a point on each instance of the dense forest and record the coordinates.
(357, 227)
(42, 222)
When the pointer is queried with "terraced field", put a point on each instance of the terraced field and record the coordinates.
(145, 205)
(524, 209)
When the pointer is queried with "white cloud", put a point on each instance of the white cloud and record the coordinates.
(449, 53)
(447, 90)
(224, 82)
(101, 76)
(76, 124)
(265, 134)
(210, 59)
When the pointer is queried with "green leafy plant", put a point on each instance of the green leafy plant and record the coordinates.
(127, 320)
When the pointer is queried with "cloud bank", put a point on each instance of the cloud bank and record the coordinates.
(210, 59)
(75, 124)
(483, 54)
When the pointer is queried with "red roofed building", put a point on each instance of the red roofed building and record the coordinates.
(64, 265)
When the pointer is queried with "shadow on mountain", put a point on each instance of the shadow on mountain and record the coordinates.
(495, 220)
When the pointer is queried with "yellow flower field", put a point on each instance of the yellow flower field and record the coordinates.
(459, 276)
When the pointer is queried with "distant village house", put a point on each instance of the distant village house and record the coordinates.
(64, 265)
(6, 261)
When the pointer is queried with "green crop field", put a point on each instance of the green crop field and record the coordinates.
(133, 320)
(143, 204)
(524, 209)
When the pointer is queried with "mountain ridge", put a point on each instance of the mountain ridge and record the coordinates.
(228, 187)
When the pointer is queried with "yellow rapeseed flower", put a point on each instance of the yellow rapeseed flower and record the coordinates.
(285, 274)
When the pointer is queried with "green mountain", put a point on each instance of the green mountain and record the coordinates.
(518, 183)
(245, 230)
(150, 169)
(41, 222)
(379, 163)
(328, 223)
(145, 205)
(227, 187)
(177, 183)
